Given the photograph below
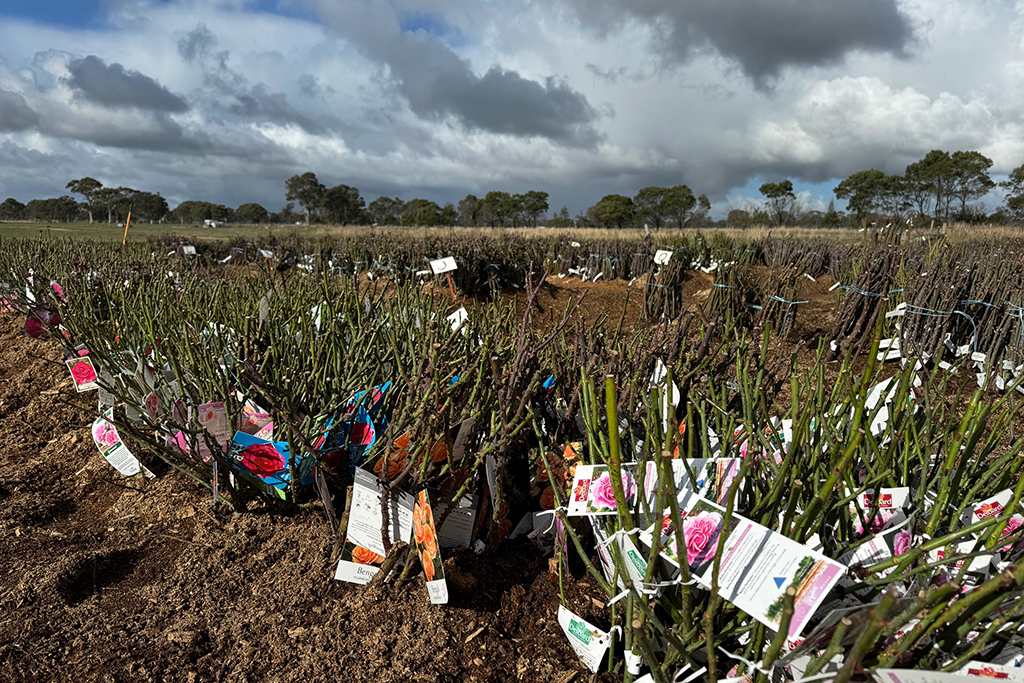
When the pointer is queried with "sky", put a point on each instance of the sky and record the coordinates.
(223, 100)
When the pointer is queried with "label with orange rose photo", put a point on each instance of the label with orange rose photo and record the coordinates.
(83, 372)
(424, 542)
(592, 491)
(364, 548)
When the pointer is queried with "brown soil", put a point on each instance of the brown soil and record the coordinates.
(108, 579)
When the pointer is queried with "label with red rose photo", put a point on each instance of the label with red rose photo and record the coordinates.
(267, 464)
(83, 373)
(592, 491)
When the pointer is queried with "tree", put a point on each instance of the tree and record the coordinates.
(738, 218)
(502, 205)
(343, 204)
(969, 179)
(534, 204)
(929, 182)
(448, 215)
(251, 213)
(682, 207)
(467, 211)
(780, 200)
(88, 188)
(11, 210)
(862, 190)
(58, 209)
(306, 190)
(613, 211)
(1013, 186)
(386, 211)
(421, 212)
(651, 206)
(147, 206)
(831, 218)
(562, 219)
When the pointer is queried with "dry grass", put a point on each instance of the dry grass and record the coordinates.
(109, 232)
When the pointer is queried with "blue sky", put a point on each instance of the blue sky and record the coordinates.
(222, 100)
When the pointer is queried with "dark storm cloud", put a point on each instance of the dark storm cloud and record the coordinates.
(763, 36)
(15, 114)
(436, 82)
(115, 86)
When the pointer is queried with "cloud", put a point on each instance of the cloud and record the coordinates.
(114, 86)
(197, 43)
(762, 36)
(15, 114)
(437, 83)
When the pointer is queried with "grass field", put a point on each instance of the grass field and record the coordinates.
(143, 231)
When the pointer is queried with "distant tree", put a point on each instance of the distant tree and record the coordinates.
(503, 207)
(343, 204)
(467, 211)
(930, 183)
(287, 214)
(12, 210)
(831, 218)
(449, 215)
(147, 206)
(863, 191)
(562, 219)
(59, 209)
(386, 211)
(738, 218)
(683, 208)
(780, 200)
(251, 213)
(485, 213)
(421, 212)
(534, 205)
(1014, 188)
(969, 180)
(88, 188)
(651, 207)
(196, 212)
(613, 211)
(306, 190)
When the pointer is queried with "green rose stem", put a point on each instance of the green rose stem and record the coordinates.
(780, 636)
(868, 636)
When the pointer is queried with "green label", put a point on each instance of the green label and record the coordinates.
(578, 629)
(638, 562)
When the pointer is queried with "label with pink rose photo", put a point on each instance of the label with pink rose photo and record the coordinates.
(83, 373)
(593, 494)
(214, 418)
(758, 565)
(113, 450)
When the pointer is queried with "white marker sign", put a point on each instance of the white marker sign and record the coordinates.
(662, 256)
(444, 265)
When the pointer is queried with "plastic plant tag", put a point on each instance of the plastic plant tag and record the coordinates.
(458, 319)
(987, 508)
(443, 265)
(921, 676)
(662, 256)
(265, 464)
(1002, 672)
(188, 250)
(83, 373)
(424, 541)
(758, 564)
(364, 548)
(592, 492)
(113, 450)
(457, 529)
(214, 419)
(589, 642)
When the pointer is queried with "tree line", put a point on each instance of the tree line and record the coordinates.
(942, 186)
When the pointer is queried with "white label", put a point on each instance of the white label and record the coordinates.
(438, 592)
(444, 265)
(458, 319)
(662, 256)
(188, 250)
(266, 254)
(106, 438)
(589, 642)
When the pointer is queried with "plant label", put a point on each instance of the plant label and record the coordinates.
(364, 550)
(589, 642)
(444, 265)
(662, 257)
(113, 450)
(83, 373)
